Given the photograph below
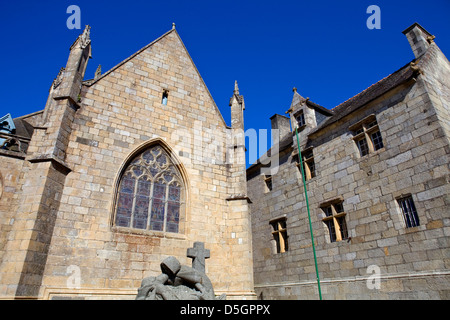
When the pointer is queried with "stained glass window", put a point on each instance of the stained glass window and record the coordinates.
(151, 193)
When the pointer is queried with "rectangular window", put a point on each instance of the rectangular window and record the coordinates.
(367, 135)
(377, 141)
(280, 234)
(409, 211)
(308, 164)
(335, 220)
(363, 147)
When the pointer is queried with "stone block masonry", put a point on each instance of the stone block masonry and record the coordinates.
(118, 115)
(410, 262)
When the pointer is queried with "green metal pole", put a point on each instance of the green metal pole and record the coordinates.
(309, 215)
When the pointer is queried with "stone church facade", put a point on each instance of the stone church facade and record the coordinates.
(376, 171)
(119, 172)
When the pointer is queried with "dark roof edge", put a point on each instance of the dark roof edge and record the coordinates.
(319, 107)
(415, 24)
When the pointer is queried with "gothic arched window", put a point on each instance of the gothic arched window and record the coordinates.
(151, 193)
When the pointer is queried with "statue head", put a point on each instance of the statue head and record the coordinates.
(170, 266)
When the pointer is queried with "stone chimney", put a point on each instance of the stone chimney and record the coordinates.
(283, 126)
(419, 39)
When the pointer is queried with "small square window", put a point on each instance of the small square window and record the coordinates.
(338, 207)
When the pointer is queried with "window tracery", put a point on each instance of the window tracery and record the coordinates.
(151, 193)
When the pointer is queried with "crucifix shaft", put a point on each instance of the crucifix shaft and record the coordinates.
(198, 254)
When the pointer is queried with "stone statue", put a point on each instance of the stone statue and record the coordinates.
(179, 282)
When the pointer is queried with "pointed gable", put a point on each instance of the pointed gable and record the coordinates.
(164, 65)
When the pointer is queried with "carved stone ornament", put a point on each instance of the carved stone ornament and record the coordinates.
(59, 78)
(85, 37)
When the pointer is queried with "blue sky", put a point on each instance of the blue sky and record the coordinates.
(323, 48)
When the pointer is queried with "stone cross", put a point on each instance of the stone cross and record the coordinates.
(198, 254)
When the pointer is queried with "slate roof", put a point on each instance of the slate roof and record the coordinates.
(376, 90)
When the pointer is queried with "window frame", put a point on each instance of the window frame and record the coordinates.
(279, 234)
(165, 97)
(335, 220)
(302, 115)
(410, 219)
(308, 164)
(363, 131)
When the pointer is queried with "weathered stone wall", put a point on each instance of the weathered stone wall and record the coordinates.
(120, 113)
(10, 173)
(413, 262)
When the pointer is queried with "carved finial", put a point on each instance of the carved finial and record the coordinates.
(173, 25)
(85, 37)
(98, 72)
(236, 88)
(294, 89)
(430, 39)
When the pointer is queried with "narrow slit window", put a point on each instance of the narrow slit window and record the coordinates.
(165, 97)
(268, 181)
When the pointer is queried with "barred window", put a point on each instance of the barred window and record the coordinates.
(409, 211)
(151, 193)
